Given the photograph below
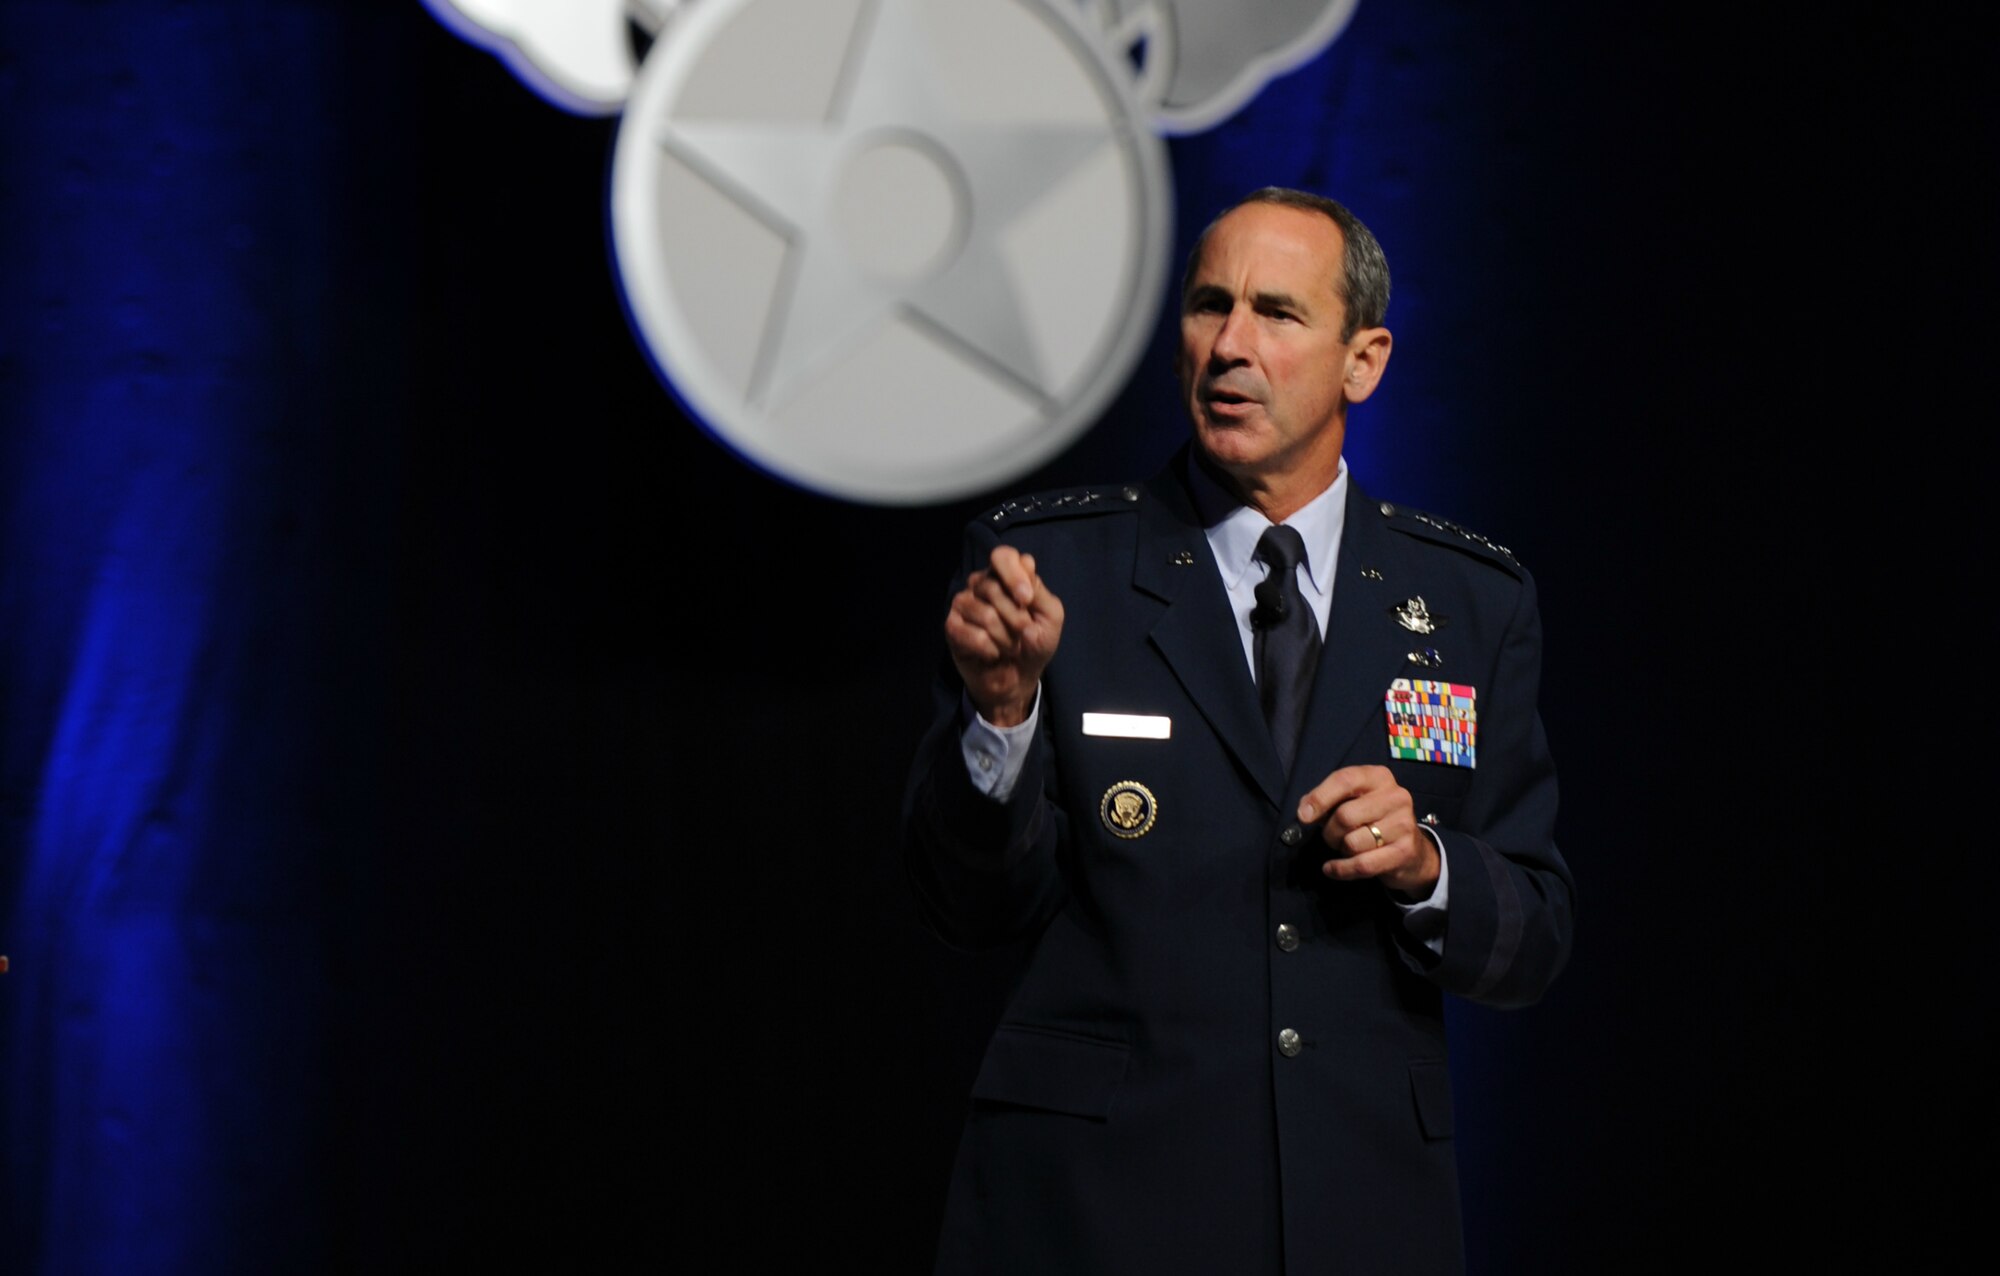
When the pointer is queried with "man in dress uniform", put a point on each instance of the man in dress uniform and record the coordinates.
(1256, 759)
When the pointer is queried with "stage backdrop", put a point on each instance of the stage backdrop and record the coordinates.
(448, 801)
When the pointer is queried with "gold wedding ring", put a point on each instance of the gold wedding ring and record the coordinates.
(1375, 831)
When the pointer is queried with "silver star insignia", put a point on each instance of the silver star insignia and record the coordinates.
(894, 101)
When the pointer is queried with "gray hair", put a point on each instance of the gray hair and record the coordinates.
(1363, 286)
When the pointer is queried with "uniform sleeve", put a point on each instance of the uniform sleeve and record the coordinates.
(1508, 933)
(985, 872)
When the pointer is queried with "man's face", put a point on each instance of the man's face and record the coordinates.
(1266, 375)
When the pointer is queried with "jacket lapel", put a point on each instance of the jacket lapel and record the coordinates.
(1195, 633)
(1365, 649)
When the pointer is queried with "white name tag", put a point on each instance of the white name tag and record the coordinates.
(1129, 726)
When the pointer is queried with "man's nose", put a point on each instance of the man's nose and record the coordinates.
(1232, 339)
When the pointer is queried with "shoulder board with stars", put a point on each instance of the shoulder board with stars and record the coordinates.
(1075, 500)
(1446, 532)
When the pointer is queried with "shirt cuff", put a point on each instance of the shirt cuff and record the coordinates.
(1425, 919)
(994, 755)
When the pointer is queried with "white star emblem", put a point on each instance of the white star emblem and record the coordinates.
(899, 119)
(892, 249)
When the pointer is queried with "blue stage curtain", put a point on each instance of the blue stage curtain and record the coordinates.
(166, 175)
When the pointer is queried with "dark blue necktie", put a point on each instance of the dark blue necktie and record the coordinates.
(1287, 641)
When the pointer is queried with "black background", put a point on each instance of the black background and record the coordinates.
(608, 730)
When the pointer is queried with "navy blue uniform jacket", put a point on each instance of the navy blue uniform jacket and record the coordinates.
(1134, 1112)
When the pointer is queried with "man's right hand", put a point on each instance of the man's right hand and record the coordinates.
(1002, 630)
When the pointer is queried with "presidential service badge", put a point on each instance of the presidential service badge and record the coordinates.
(896, 251)
(1128, 809)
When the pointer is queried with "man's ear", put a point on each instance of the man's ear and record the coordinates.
(1367, 360)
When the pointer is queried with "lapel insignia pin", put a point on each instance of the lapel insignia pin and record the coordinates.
(1415, 616)
(1369, 573)
(1128, 809)
(1182, 559)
